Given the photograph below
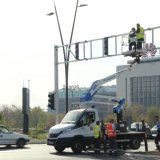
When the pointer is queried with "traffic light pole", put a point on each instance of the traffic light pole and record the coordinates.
(56, 83)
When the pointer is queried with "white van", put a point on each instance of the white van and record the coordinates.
(9, 138)
(74, 130)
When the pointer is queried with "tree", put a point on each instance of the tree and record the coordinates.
(38, 118)
(137, 112)
(151, 113)
(1, 117)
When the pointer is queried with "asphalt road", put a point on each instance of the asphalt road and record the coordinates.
(44, 152)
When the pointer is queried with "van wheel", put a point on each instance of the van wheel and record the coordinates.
(20, 143)
(77, 147)
(59, 148)
(135, 143)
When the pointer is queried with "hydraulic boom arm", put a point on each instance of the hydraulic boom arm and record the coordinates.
(97, 84)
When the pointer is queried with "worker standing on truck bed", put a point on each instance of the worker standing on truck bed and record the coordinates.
(97, 137)
(111, 132)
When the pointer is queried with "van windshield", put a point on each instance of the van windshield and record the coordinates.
(72, 117)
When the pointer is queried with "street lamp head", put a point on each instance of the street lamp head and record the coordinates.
(50, 14)
(83, 5)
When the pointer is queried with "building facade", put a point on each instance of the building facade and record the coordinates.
(140, 84)
(101, 100)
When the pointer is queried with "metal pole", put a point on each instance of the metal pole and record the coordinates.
(68, 54)
(65, 57)
(56, 83)
(60, 32)
(72, 30)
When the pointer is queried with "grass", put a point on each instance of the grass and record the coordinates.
(38, 136)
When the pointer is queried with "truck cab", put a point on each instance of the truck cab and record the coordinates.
(75, 130)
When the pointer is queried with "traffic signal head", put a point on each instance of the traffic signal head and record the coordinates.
(105, 46)
(77, 51)
(51, 100)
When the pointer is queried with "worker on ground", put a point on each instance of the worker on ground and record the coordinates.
(111, 132)
(132, 39)
(103, 136)
(139, 36)
(144, 129)
(157, 138)
(143, 126)
(97, 137)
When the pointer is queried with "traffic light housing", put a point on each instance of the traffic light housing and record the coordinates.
(51, 100)
(105, 46)
(77, 51)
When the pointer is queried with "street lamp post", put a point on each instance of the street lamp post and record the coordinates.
(66, 55)
(59, 27)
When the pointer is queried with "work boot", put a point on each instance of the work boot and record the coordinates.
(115, 153)
(98, 152)
(110, 153)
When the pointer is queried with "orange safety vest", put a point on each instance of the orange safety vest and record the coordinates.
(110, 130)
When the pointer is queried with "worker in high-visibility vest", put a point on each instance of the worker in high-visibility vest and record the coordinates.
(111, 133)
(132, 39)
(97, 137)
(139, 36)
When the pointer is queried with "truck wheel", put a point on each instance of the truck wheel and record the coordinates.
(20, 143)
(8, 146)
(135, 143)
(77, 147)
(59, 148)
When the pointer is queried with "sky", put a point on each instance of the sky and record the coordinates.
(28, 36)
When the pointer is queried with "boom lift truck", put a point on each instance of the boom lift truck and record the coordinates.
(76, 132)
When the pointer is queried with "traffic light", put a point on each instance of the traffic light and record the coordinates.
(51, 100)
(77, 51)
(105, 46)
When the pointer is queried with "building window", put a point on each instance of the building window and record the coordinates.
(145, 90)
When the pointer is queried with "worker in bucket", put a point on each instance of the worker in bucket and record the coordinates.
(139, 36)
(132, 39)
